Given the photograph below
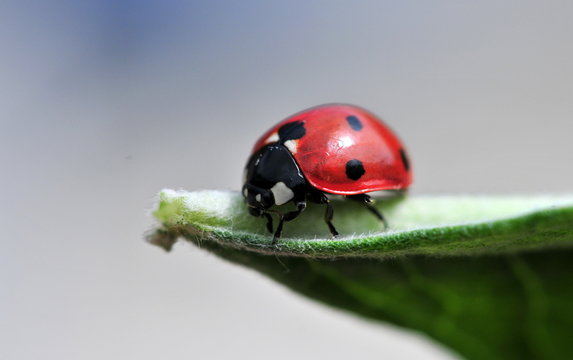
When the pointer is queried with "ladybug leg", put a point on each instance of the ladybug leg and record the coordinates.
(260, 212)
(301, 205)
(367, 201)
(328, 218)
(269, 221)
(319, 198)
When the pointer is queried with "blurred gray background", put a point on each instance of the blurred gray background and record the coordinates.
(103, 103)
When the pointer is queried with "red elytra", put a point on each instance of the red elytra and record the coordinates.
(339, 133)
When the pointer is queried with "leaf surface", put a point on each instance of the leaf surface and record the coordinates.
(490, 277)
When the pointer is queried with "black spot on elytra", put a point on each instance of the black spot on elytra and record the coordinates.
(354, 169)
(292, 131)
(405, 160)
(354, 123)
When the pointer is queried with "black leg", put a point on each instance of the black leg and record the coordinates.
(260, 212)
(288, 217)
(278, 232)
(328, 218)
(319, 198)
(269, 222)
(367, 201)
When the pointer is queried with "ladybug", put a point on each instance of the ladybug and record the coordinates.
(332, 149)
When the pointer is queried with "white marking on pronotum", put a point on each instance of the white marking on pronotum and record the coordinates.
(291, 145)
(281, 193)
(245, 192)
(258, 197)
(273, 138)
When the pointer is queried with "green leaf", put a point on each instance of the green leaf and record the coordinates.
(490, 277)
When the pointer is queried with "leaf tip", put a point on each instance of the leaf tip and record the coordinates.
(163, 238)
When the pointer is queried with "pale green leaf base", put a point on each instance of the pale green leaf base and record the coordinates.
(490, 277)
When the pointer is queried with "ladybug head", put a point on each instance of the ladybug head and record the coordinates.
(272, 177)
(258, 199)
